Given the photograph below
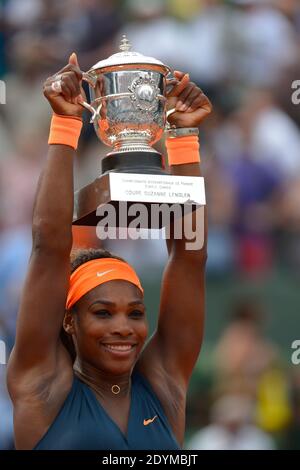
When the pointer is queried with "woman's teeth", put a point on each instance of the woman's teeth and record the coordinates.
(119, 348)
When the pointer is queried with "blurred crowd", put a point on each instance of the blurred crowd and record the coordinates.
(245, 55)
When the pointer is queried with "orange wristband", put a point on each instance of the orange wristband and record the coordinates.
(65, 130)
(183, 150)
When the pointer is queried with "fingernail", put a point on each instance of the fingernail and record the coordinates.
(179, 104)
(73, 56)
(183, 107)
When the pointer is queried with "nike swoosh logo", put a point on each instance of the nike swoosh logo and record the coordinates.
(104, 272)
(149, 421)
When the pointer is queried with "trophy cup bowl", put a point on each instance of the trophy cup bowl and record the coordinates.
(131, 109)
(128, 106)
(128, 111)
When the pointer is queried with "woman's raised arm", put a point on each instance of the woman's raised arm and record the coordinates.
(174, 348)
(35, 354)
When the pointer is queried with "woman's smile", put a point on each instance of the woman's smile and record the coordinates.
(119, 349)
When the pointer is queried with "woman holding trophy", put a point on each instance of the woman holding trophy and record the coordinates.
(117, 392)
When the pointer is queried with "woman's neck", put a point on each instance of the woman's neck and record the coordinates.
(104, 384)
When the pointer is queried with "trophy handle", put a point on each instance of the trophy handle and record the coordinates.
(171, 81)
(171, 111)
(91, 79)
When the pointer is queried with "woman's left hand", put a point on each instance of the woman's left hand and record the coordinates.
(191, 104)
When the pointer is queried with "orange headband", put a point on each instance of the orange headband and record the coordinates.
(95, 272)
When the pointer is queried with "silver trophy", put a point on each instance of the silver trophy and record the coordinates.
(128, 111)
(128, 102)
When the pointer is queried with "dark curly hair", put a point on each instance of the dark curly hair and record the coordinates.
(78, 258)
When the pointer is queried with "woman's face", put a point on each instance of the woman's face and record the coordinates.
(109, 327)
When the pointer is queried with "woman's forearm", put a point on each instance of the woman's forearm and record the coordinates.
(53, 209)
(190, 107)
(196, 223)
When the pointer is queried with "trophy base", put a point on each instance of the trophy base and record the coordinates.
(134, 162)
(140, 200)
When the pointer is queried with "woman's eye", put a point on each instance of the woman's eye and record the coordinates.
(137, 313)
(102, 313)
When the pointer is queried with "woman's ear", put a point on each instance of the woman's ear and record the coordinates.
(68, 323)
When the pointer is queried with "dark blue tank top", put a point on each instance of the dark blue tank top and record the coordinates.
(83, 424)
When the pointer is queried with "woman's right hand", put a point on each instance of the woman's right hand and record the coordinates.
(66, 102)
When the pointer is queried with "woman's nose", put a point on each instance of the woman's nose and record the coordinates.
(122, 326)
